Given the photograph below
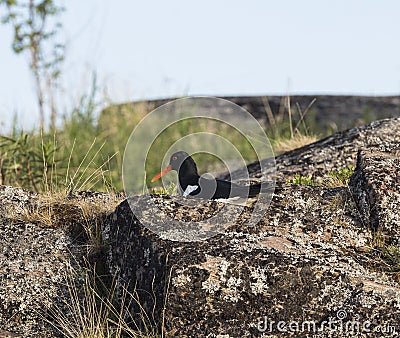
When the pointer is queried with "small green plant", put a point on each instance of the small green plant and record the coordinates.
(340, 177)
(336, 178)
(303, 180)
(168, 190)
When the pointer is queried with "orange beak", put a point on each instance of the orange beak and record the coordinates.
(167, 169)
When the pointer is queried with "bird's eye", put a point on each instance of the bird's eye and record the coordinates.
(174, 158)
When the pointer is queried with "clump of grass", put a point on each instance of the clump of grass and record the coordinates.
(25, 161)
(303, 180)
(83, 153)
(288, 128)
(83, 218)
(168, 190)
(91, 310)
(296, 141)
(336, 178)
(340, 177)
(77, 155)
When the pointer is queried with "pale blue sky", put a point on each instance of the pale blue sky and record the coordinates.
(149, 49)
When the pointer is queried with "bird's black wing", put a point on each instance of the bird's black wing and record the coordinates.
(219, 189)
(230, 189)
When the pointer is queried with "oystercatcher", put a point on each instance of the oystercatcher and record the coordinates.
(191, 184)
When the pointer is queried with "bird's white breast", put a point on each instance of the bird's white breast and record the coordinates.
(189, 189)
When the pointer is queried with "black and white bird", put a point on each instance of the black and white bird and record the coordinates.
(191, 184)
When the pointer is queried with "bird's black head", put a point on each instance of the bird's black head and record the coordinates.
(181, 161)
(183, 164)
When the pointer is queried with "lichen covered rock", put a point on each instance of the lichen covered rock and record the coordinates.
(306, 268)
(41, 262)
(306, 260)
(376, 187)
(32, 259)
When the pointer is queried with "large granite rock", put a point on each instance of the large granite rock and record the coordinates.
(309, 267)
(43, 246)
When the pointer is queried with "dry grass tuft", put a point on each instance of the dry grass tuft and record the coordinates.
(297, 141)
(60, 209)
(88, 311)
(83, 217)
(287, 128)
